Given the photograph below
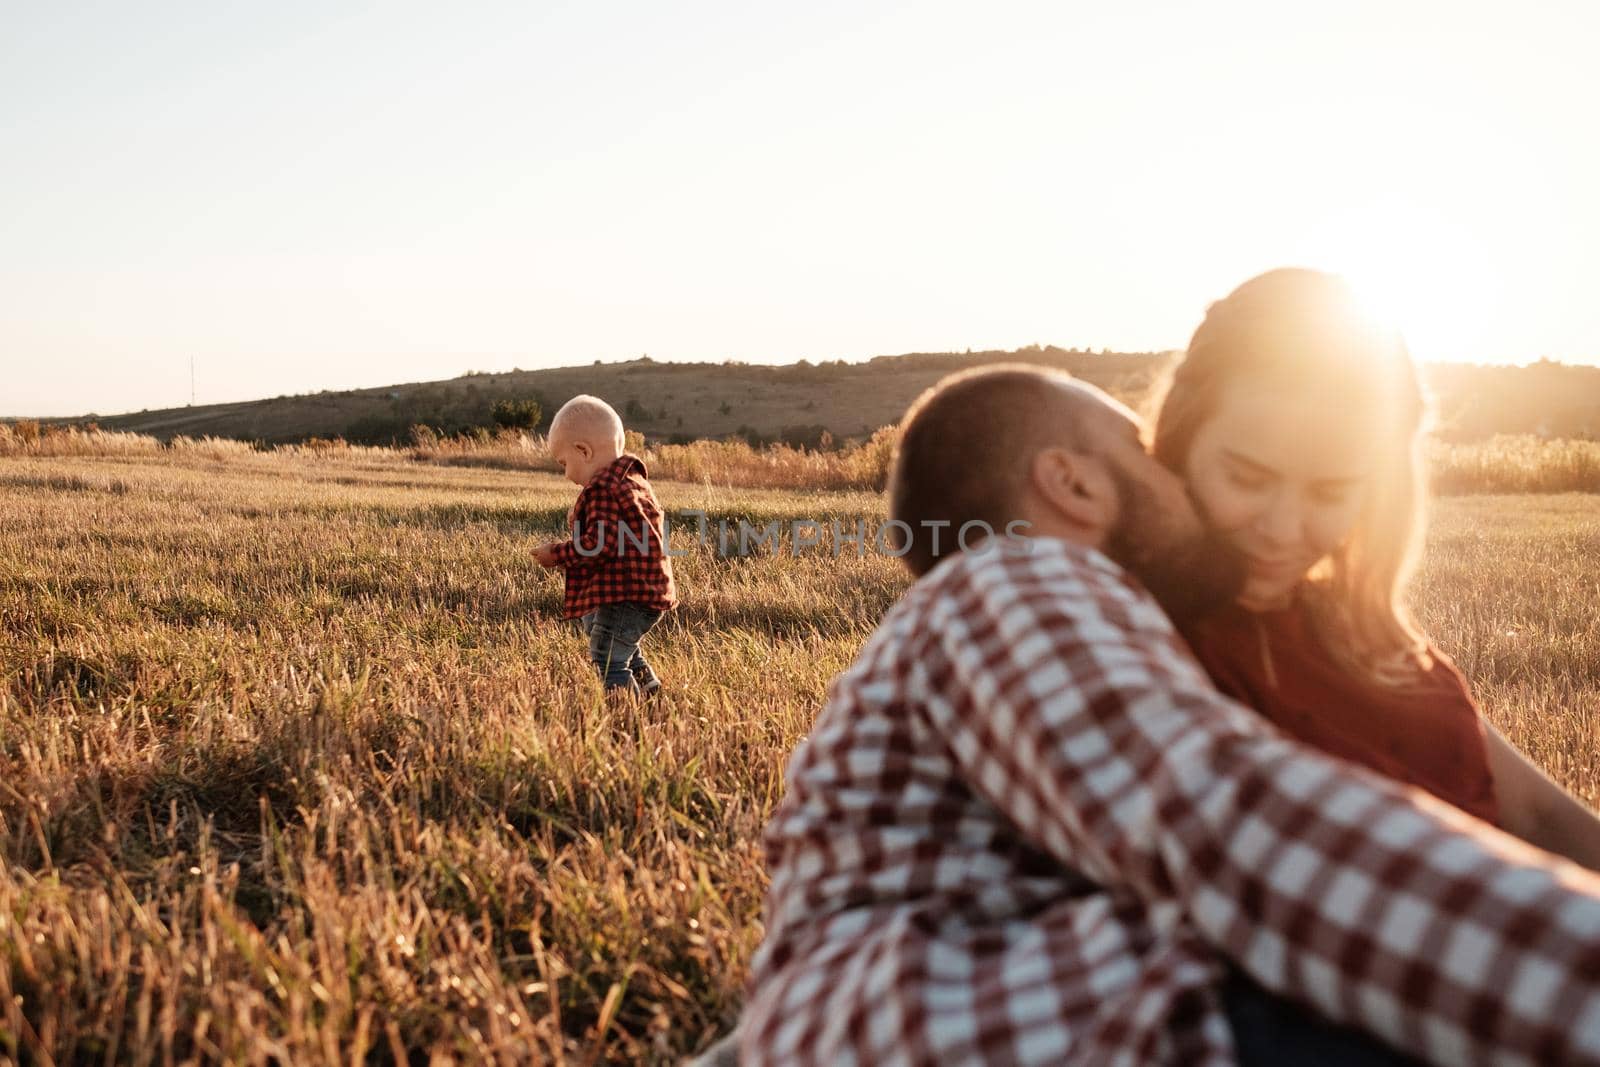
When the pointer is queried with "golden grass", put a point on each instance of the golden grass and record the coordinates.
(1508, 590)
(1516, 464)
(1505, 464)
(298, 764)
(859, 466)
(863, 465)
(296, 761)
(28, 438)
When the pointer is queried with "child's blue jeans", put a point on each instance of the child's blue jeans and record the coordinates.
(615, 631)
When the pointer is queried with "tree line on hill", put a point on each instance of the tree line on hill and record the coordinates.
(816, 406)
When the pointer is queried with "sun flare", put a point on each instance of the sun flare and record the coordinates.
(1426, 273)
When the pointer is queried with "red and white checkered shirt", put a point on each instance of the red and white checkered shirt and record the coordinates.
(617, 552)
(1026, 829)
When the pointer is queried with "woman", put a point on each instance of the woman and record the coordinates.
(1296, 421)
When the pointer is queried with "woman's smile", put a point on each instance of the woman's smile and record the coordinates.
(1274, 567)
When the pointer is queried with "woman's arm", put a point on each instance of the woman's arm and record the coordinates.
(1538, 810)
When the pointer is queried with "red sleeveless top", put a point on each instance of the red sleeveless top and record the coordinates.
(1428, 734)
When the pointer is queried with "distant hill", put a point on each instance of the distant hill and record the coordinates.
(661, 400)
(797, 401)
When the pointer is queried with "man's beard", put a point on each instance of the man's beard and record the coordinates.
(1189, 573)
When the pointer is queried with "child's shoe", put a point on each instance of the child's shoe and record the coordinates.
(649, 684)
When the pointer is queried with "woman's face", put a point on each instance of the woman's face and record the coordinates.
(1283, 475)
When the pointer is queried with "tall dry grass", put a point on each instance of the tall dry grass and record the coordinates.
(1516, 464)
(858, 466)
(505, 449)
(1506, 464)
(734, 463)
(299, 765)
(29, 438)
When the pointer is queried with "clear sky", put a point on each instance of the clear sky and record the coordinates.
(308, 195)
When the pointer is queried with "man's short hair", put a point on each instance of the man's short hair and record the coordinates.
(964, 452)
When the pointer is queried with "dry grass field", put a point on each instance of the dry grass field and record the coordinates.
(299, 765)
(1522, 463)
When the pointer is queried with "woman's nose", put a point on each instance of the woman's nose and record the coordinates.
(1280, 522)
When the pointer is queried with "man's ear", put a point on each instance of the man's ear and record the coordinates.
(584, 449)
(1076, 486)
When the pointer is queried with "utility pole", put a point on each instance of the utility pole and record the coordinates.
(191, 381)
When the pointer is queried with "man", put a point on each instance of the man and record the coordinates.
(1026, 828)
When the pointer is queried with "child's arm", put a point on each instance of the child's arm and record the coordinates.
(594, 523)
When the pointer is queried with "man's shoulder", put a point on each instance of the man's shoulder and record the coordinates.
(1008, 571)
(1015, 584)
(1019, 561)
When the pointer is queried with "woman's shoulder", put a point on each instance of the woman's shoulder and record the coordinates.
(1427, 683)
(1444, 673)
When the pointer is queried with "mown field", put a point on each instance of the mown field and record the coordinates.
(299, 765)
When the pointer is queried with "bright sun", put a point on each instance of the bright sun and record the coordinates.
(1420, 270)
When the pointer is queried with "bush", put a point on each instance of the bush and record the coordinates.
(814, 437)
(522, 414)
(380, 429)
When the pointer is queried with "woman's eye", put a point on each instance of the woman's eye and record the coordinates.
(1330, 497)
(1246, 480)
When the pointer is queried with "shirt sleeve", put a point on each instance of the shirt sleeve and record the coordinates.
(594, 530)
(1068, 702)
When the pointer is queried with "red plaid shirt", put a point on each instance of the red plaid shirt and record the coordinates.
(1026, 829)
(617, 549)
